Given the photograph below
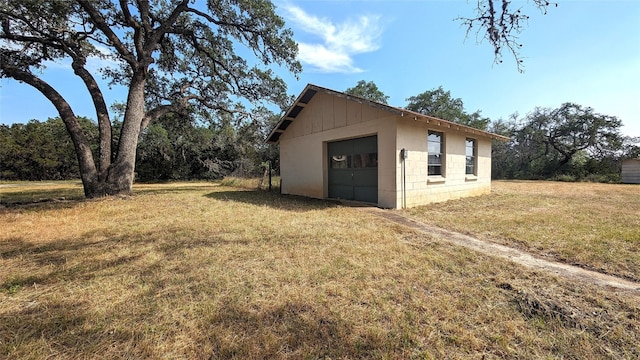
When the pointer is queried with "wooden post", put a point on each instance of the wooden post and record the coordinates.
(269, 165)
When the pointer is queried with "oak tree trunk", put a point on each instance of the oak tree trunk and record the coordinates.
(120, 175)
(118, 178)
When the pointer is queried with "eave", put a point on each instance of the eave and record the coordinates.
(311, 90)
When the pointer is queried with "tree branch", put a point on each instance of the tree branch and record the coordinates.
(101, 24)
(102, 113)
(501, 27)
(164, 27)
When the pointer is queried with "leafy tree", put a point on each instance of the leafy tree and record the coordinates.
(174, 56)
(500, 22)
(439, 103)
(570, 142)
(155, 155)
(40, 150)
(243, 142)
(174, 148)
(268, 152)
(631, 147)
(572, 128)
(368, 90)
(502, 151)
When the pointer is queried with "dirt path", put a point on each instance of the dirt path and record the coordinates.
(517, 256)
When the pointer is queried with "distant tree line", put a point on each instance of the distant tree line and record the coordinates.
(169, 149)
(570, 143)
(40, 150)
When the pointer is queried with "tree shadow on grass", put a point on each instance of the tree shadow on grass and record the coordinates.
(64, 329)
(52, 260)
(40, 203)
(58, 198)
(293, 329)
(273, 200)
(170, 188)
(41, 317)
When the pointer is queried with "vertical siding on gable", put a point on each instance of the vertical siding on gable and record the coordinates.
(340, 111)
(369, 113)
(305, 117)
(354, 113)
(328, 112)
(316, 116)
(295, 129)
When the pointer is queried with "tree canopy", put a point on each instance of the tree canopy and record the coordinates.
(368, 90)
(173, 149)
(179, 57)
(439, 103)
(569, 142)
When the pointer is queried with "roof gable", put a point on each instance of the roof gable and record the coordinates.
(311, 90)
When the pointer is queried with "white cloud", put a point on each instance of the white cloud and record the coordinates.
(337, 42)
(325, 60)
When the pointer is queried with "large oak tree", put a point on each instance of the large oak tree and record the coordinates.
(571, 140)
(572, 128)
(174, 56)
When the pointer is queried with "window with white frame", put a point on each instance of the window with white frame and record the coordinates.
(435, 149)
(471, 152)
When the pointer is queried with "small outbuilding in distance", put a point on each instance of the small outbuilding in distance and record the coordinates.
(338, 146)
(631, 171)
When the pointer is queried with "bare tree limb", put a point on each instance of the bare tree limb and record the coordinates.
(498, 22)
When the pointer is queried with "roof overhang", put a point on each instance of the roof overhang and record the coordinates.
(311, 90)
(290, 115)
(451, 125)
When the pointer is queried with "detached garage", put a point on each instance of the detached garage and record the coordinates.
(334, 145)
(631, 171)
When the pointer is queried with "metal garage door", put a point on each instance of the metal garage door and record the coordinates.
(353, 169)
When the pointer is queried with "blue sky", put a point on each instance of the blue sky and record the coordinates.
(587, 52)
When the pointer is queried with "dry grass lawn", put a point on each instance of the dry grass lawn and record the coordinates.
(596, 226)
(200, 271)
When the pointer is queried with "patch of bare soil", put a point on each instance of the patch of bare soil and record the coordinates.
(527, 301)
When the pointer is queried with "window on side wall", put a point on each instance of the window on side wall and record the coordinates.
(472, 156)
(435, 148)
